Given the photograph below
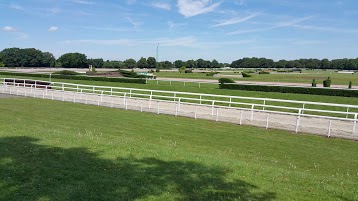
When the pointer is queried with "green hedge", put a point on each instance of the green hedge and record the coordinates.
(77, 77)
(294, 90)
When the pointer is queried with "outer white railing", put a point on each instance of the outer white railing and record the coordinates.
(266, 104)
(73, 92)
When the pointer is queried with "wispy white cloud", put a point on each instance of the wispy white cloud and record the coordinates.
(85, 2)
(327, 29)
(172, 25)
(276, 26)
(181, 41)
(188, 41)
(133, 22)
(162, 5)
(235, 20)
(8, 29)
(53, 29)
(190, 8)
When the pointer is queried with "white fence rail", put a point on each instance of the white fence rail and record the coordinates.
(196, 105)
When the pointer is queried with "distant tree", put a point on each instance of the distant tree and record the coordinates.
(48, 59)
(98, 63)
(191, 64)
(113, 64)
(73, 60)
(200, 63)
(215, 64)
(281, 64)
(325, 64)
(151, 62)
(142, 63)
(166, 65)
(178, 63)
(129, 63)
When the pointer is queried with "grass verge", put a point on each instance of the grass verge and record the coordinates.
(52, 150)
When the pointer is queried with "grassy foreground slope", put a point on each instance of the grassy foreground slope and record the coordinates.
(52, 150)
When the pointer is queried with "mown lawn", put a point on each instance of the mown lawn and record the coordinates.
(51, 150)
(305, 77)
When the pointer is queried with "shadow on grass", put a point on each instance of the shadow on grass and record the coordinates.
(30, 171)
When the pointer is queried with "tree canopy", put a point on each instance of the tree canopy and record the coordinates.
(73, 60)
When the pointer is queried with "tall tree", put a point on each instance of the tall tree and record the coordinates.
(142, 63)
(73, 60)
(98, 63)
(48, 60)
(215, 64)
(178, 63)
(151, 62)
(130, 63)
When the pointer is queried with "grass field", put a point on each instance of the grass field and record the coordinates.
(305, 77)
(52, 150)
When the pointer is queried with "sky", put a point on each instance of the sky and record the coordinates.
(225, 30)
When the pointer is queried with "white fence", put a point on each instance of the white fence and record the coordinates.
(296, 116)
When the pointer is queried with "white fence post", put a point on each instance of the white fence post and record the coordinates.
(267, 121)
(101, 97)
(347, 113)
(74, 97)
(86, 98)
(199, 85)
(184, 84)
(141, 106)
(124, 98)
(51, 95)
(264, 105)
(63, 95)
(329, 128)
(230, 102)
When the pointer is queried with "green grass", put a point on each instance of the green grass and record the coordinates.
(305, 77)
(52, 150)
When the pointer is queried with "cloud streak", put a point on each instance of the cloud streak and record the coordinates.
(235, 20)
(190, 8)
(160, 5)
(279, 25)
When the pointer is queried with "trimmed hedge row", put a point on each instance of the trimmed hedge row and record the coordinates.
(294, 90)
(77, 77)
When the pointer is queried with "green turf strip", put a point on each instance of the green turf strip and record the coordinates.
(51, 150)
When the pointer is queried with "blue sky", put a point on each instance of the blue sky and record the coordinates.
(225, 30)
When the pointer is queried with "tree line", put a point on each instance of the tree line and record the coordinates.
(31, 57)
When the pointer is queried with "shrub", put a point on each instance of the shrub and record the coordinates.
(314, 84)
(211, 73)
(350, 85)
(295, 90)
(188, 71)
(66, 72)
(264, 72)
(327, 82)
(224, 80)
(157, 70)
(246, 74)
(94, 69)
